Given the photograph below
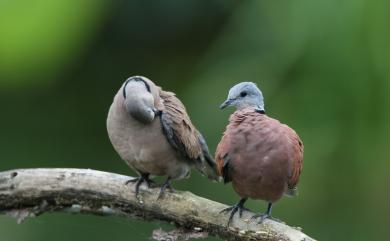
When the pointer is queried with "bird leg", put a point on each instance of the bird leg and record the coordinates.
(233, 209)
(139, 180)
(263, 216)
(167, 184)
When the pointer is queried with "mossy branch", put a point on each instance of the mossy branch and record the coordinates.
(31, 192)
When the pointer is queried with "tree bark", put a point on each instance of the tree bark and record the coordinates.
(31, 192)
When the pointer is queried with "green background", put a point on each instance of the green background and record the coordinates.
(323, 66)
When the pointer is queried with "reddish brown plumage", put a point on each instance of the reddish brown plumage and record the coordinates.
(261, 156)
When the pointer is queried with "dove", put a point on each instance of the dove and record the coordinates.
(262, 157)
(151, 131)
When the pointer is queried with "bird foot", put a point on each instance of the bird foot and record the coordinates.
(132, 180)
(261, 217)
(148, 181)
(139, 180)
(233, 209)
(151, 183)
(167, 185)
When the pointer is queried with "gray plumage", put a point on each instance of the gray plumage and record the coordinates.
(151, 131)
(245, 94)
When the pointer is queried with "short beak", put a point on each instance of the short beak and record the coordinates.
(226, 104)
(156, 112)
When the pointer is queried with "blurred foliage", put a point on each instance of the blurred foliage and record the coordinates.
(323, 66)
(40, 37)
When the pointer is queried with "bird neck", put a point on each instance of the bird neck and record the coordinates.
(255, 108)
(260, 111)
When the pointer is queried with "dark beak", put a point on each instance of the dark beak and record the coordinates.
(156, 112)
(225, 104)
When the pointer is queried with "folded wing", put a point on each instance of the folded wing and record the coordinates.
(183, 136)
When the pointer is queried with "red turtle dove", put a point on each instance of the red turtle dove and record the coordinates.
(259, 155)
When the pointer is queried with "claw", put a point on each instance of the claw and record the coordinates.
(264, 216)
(242, 209)
(138, 181)
(132, 180)
(150, 182)
(167, 184)
(233, 209)
(227, 209)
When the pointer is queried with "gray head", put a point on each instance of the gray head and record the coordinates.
(138, 99)
(245, 94)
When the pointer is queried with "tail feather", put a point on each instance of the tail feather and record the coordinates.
(291, 192)
(207, 165)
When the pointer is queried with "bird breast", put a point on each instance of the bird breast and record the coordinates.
(261, 151)
(143, 146)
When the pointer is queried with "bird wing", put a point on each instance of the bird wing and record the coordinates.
(297, 160)
(210, 170)
(224, 153)
(183, 136)
(222, 159)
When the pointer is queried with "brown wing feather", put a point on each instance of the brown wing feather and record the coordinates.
(220, 152)
(297, 160)
(222, 158)
(181, 133)
(224, 153)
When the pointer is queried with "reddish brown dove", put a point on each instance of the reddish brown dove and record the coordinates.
(151, 131)
(259, 155)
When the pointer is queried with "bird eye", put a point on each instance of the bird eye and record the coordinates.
(243, 94)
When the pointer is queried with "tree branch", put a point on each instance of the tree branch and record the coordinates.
(31, 192)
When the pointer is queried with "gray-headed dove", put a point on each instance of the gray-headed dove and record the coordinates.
(151, 131)
(260, 156)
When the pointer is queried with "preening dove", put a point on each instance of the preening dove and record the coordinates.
(151, 131)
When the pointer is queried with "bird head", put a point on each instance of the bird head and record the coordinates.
(138, 98)
(243, 95)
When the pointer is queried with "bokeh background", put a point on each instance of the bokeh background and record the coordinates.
(323, 66)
